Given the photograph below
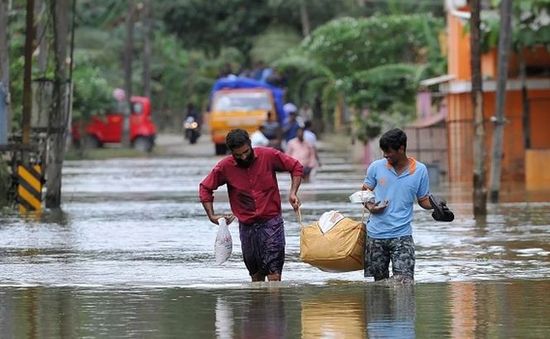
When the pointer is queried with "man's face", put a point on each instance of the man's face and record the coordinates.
(244, 155)
(392, 155)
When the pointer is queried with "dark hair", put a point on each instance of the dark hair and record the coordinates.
(393, 139)
(237, 138)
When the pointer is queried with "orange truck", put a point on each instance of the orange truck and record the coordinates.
(237, 102)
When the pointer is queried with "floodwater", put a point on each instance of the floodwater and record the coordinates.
(131, 255)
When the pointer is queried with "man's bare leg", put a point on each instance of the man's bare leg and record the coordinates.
(274, 277)
(257, 277)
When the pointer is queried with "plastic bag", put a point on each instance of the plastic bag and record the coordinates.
(361, 196)
(224, 243)
(329, 219)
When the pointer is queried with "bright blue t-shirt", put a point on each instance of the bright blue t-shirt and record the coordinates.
(401, 192)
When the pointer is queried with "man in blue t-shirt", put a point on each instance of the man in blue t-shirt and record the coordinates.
(397, 181)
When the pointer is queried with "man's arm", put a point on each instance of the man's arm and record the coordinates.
(209, 209)
(284, 162)
(293, 196)
(206, 195)
(425, 203)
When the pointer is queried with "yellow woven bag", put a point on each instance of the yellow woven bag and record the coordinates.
(341, 249)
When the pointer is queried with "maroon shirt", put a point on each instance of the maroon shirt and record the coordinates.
(253, 192)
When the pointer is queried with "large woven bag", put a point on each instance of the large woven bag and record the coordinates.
(341, 249)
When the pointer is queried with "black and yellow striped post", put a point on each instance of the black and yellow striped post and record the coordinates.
(29, 188)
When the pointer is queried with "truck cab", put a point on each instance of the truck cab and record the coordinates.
(244, 103)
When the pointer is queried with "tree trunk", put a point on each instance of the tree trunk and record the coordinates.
(27, 74)
(58, 114)
(128, 58)
(480, 193)
(40, 13)
(339, 112)
(498, 133)
(304, 17)
(526, 111)
(147, 31)
(5, 120)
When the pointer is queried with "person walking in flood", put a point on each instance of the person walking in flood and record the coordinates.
(397, 181)
(250, 176)
(304, 152)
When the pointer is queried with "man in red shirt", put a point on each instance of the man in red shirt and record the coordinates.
(250, 176)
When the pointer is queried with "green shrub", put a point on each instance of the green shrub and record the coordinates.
(5, 182)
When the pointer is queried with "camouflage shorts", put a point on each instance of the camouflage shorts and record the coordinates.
(379, 252)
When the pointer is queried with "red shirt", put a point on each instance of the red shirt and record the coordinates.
(253, 192)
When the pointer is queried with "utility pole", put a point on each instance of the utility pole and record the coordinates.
(128, 57)
(504, 42)
(526, 110)
(5, 117)
(27, 74)
(58, 114)
(147, 31)
(480, 193)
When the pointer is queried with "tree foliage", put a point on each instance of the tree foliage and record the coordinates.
(530, 25)
(376, 63)
(212, 25)
(92, 93)
(193, 40)
(274, 43)
(347, 45)
(379, 88)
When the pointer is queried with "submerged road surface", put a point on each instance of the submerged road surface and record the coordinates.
(131, 255)
(138, 222)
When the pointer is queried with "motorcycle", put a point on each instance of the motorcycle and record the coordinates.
(191, 129)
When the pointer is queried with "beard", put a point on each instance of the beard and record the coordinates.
(245, 163)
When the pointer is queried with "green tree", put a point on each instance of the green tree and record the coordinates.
(374, 63)
(212, 25)
(348, 45)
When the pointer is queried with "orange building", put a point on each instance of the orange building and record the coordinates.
(519, 164)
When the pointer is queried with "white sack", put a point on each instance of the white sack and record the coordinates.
(224, 243)
(328, 220)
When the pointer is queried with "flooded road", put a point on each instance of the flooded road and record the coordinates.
(131, 254)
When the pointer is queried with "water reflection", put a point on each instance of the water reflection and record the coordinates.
(333, 313)
(263, 315)
(391, 311)
(463, 310)
(224, 319)
(515, 309)
(131, 255)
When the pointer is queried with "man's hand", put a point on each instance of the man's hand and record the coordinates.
(209, 209)
(376, 207)
(294, 201)
(441, 211)
(228, 218)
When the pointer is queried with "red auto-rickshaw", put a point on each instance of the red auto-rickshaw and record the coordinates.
(107, 129)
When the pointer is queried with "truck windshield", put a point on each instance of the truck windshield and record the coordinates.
(241, 101)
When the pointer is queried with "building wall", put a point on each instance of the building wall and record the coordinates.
(459, 122)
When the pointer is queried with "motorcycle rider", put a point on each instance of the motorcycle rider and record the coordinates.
(192, 112)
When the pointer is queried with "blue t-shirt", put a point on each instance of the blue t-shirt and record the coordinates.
(401, 192)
